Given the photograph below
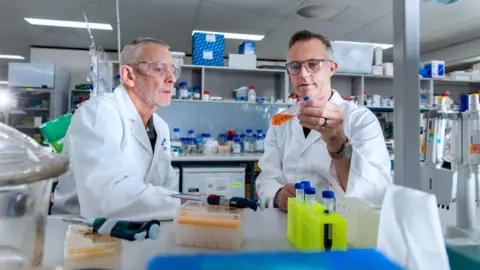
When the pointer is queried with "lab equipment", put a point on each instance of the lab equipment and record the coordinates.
(176, 143)
(208, 49)
(299, 192)
(277, 260)
(227, 181)
(26, 174)
(183, 90)
(121, 229)
(234, 202)
(287, 114)
(259, 141)
(306, 184)
(206, 95)
(208, 226)
(353, 57)
(310, 198)
(237, 148)
(306, 227)
(252, 96)
(328, 198)
(248, 142)
(222, 139)
(196, 93)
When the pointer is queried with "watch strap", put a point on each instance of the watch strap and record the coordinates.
(339, 154)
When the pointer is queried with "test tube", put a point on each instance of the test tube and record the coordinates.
(310, 198)
(328, 199)
(299, 192)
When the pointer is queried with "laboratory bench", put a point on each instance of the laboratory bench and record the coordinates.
(263, 230)
(249, 159)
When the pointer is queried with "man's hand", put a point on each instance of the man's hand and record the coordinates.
(326, 118)
(286, 192)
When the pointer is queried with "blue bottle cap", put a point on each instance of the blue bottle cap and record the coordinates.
(328, 194)
(259, 131)
(243, 136)
(235, 135)
(464, 102)
(183, 83)
(299, 186)
(223, 135)
(191, 131)
(206, 135)
(249, 131)
(176, 130)
(310, 191)
(236, 140)
(306, 184)
(306, 98)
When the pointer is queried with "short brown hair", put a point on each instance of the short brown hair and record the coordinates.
(305, 35)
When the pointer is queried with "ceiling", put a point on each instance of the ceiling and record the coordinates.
(174, 20)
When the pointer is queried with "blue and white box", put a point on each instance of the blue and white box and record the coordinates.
(434, 69)
(208, 49)
(247, 47)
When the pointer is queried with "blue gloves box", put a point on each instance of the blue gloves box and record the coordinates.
(208, 49)
(360, 259)
(247, 47)
(434, 69)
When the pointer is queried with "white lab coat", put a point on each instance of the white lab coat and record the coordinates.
(112, 167)
(290, 158)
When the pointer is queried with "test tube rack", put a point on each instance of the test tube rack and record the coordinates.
(305, 227)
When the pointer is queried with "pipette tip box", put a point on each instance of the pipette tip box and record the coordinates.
(360, 259)
(209, 226)
(306, 228)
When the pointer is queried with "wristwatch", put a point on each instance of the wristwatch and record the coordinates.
(344, 153)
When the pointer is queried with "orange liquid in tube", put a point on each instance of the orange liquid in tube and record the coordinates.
(280, 118)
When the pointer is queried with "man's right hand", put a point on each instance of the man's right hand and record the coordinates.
(287, 191)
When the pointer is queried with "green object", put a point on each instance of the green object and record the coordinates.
(464, 257)
(55, 130)
(305, 227)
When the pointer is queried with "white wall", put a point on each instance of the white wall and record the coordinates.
(77, 62)
(455, 53)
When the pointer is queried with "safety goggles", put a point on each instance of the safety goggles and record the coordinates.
(311, 65)
(159, 69)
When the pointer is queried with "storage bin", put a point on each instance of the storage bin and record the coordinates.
(353, 57)
(209, 226)
(178, 58)
(208, 49)
(305, 227)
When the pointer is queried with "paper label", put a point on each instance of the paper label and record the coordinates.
(210, 38)
(259, 145)
(474, 148)
(208, 55)
(218, 186)
(237, 184)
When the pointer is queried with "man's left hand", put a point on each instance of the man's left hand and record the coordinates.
(326, 118)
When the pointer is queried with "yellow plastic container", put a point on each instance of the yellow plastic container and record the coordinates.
(305, 228)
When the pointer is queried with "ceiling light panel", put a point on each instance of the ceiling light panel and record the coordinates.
(69, 24)
(10, 56)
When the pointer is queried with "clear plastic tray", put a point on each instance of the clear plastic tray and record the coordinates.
(207, 226)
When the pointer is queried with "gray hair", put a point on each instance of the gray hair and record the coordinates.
(131, 50)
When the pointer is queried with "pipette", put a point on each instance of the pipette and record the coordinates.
(235, 202)
(122, 229)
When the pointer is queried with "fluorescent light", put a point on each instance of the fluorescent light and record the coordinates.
(72, 24)
(232, 35)
(3, 82)
(9, 56)
(384, 46)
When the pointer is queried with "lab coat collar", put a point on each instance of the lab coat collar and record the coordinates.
(138, 129)
(314, 135)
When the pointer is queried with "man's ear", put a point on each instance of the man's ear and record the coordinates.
(127, 76)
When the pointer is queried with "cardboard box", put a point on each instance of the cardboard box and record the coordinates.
(208, 49)
(247, 47)
(435, 69)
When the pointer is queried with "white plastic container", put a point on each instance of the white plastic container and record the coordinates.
(178, 58)
(353, 57)
(207, 226)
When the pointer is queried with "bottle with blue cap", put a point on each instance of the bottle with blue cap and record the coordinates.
(176, 143)
(259, 141)
(249, 142)
(310, 198)
(299, 192)
(328, 199)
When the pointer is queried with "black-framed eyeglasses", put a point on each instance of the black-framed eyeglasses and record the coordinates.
(311, 65)
(159, 68)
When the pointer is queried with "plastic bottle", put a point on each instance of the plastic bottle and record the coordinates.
(252, 96)
(191, 134)
(183, 90)
(259, 141)
(185, 148)
(287, 114)
(190, 93)
(206, 95)
(248, 143)
(192, 148)
(242, 139)
(196, 92)
(328, 199)
(299, 192)
(222, 139)
(310, 198)
(176, 143)
(236, 148)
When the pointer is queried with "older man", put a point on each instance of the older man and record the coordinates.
(119, 147)
(333, 143)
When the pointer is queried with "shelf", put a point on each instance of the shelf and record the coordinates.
(81, 90)
(216, 158)
(228, 102)
(387, 109)
(450, 81)
(235, 69)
